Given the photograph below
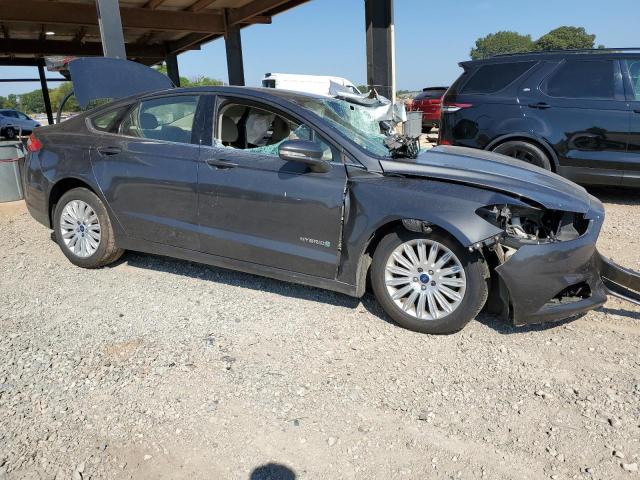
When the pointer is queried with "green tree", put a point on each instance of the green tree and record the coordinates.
(32, 102)
(197, 81)
(501, 42)
(57, 95)
(11, 101)
(564, 38)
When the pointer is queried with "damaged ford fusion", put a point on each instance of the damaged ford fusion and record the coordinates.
(305, 189)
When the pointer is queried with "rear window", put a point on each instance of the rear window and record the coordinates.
(589, 79)
(105, 122)
(431, 93)
(495, 77)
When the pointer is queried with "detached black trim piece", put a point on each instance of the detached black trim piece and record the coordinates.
(619, 281)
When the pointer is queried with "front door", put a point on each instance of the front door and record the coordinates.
(581, 110)
(255, 207)
(631, 69)
(147, 168)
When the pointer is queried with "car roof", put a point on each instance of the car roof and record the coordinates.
(554, 55)
(236, 90)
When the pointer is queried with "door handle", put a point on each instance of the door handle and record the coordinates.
(540, 105)
(221, 164)
(109, 150)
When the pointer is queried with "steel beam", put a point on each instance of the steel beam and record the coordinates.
(29, 80)
(172, 68)
(85, 14)
(45, 92)
(235, 65)
(110, 28)
(62, 47)
(380, 47)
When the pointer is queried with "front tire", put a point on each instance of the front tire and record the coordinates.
(83, 229)
(429, 284)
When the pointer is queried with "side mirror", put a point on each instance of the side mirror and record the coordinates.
(304, 151)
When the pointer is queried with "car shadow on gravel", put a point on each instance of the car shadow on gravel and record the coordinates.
(234, 278)
(623, 312)
(303, 292)
(616, 195)
(505, 327)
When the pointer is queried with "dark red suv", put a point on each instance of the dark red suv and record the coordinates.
(429, 102)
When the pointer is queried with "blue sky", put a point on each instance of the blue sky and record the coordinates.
(328, 37)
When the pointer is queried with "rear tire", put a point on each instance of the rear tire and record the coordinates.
(9, 133)
(526, 152)
(83, 230)
(463, 279)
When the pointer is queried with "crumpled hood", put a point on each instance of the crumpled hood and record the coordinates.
(495, 172)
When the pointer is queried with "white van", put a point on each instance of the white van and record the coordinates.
(318, 84)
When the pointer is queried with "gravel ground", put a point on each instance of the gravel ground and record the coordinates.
(157, 368)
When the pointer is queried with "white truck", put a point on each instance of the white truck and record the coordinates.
(318, 84)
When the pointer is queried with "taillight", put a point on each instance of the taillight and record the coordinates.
(454, 107)
(33, 144)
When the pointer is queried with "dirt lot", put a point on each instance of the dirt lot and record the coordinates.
(157, 368)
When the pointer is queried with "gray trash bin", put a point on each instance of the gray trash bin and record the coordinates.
(413, 127)
(11, 155)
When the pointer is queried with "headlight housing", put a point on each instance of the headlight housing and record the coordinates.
(528, 225)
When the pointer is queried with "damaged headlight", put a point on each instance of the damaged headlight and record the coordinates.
(528, 225)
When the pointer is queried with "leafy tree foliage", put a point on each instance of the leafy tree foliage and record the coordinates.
(561, 38)
(197, 81)
(501, 42)
(564, 38)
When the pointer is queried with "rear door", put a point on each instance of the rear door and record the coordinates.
(631, 70)
(580, 109)
(147, 169)
(482, 104)
(254, 206)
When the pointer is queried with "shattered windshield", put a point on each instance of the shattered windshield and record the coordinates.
(354, 121)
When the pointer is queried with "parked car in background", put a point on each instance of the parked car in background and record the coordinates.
(318, 84)
(574, 112)
(428, 102)
(285, 185)
(12, 122)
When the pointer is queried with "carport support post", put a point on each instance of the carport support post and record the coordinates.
(111, 28)
(235, 66)
(172, 68)
(45, 92)
(381, 67)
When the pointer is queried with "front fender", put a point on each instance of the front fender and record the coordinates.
(379, 201)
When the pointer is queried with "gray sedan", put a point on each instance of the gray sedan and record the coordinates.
(305, 189)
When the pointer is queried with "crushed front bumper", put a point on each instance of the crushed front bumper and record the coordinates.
(533, 279)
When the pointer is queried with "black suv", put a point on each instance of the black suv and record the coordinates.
(574, 112)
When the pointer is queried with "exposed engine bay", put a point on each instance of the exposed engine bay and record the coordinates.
(402, 146)
(530, 225)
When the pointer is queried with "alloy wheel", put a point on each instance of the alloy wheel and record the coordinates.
(425, 279)
(80, 228)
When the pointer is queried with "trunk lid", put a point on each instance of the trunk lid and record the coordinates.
(98, 78)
